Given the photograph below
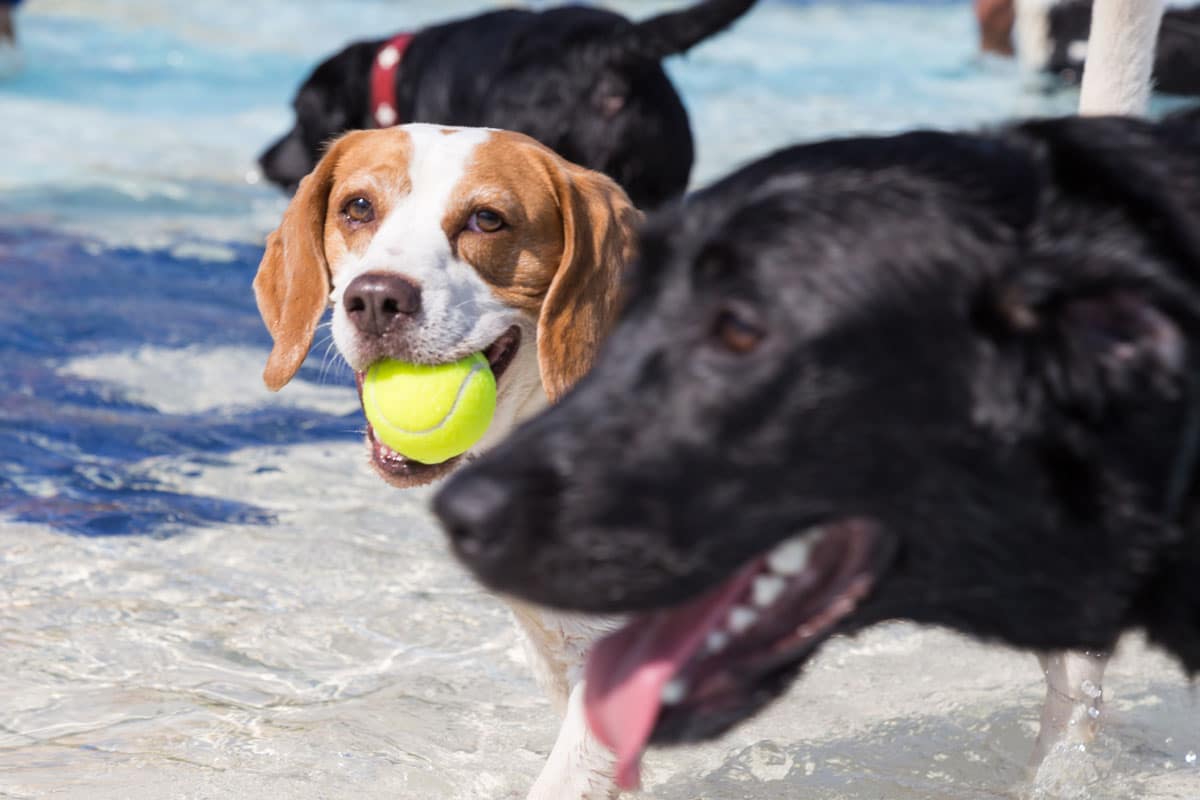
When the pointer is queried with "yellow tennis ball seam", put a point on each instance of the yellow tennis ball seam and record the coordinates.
(419, 392)
(416, 394)
(462, 388)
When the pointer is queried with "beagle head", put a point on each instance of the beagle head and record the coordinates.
(433, 243)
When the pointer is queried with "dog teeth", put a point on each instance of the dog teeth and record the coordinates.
(791, 557)
(767, 589)
(741, 618)
(674, 692)
(716, 641)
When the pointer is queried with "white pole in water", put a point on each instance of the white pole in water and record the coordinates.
(1120, 56)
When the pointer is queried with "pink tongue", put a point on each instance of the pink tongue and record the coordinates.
(627, 670)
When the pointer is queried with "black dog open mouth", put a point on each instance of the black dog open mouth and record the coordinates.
(707, 658)
(391, 464)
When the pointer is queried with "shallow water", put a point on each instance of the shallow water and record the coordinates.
(205, 593)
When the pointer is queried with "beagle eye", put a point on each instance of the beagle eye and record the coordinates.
(358, 210)
(736, 333)
(485, 221)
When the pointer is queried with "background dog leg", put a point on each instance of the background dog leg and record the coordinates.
(1120, 56)
(1071, 713)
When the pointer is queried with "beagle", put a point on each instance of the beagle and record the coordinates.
(432, 243)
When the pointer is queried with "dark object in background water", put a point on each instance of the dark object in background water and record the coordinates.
(1176, 59)
(995, 19)
(1053, 39)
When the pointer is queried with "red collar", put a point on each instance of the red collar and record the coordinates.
(383, 80)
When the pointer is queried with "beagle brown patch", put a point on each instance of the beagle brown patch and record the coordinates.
(378, 170)
(513, 176)
(568, 235)
(293, 280)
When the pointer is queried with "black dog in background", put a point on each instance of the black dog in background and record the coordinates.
(947, 378)
(586, 82)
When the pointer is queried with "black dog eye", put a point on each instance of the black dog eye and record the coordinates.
(735, 333)
(485, 221)
(610, 96)
(359, 210)
(610, 105)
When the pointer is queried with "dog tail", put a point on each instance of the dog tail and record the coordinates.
(677, 31)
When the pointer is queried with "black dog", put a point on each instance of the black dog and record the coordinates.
(1176, 58)
(948, 378)
(585, 82)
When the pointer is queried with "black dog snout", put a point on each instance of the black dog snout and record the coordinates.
(471, 508)
(377, 301)
(495, 512)
(286, 162)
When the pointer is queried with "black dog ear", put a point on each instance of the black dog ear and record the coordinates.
(1125, 334)
(673, 32)
(1096, 298)
(1089, 342)
(1150, 172)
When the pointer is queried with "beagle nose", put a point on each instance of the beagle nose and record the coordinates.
(376, 301)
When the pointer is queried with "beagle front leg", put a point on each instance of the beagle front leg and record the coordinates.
(579, 767)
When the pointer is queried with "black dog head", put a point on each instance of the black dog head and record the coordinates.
(937, 377)
(585, 82)
(332, 100)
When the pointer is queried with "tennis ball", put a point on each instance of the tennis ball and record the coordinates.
(430, 413)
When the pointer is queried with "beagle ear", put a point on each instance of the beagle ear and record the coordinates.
(293, 282)
(599, 227)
